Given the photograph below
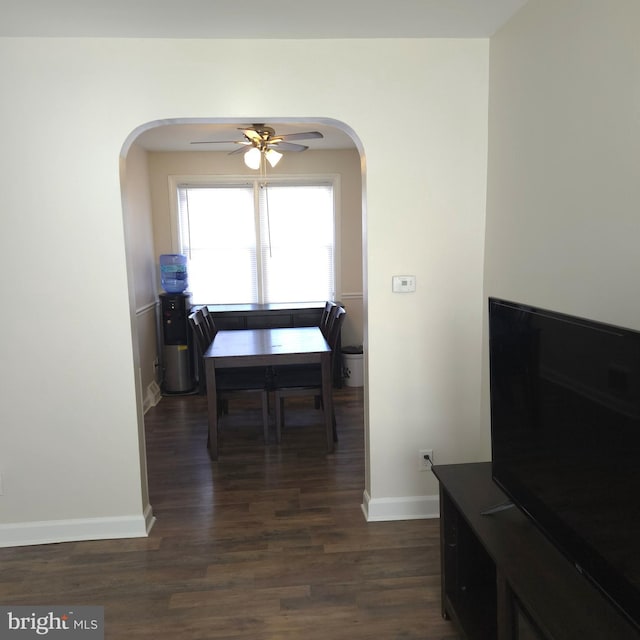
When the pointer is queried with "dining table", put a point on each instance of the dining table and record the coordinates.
(267, 347)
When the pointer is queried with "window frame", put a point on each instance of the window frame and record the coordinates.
(176, 181)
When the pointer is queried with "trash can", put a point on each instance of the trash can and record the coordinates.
(352, 366)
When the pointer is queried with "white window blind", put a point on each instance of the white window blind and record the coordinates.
(221, 228)
(298, 253)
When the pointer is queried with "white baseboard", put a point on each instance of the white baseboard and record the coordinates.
(152, 397)
(23, 534)
(149, 518)
(413, 508)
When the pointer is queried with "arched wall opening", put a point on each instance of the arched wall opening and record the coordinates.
(156, 149)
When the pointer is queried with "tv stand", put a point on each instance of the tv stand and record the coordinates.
(502, 579)
(497, 508)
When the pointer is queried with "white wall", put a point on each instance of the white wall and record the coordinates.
(69, 445)
(564, 187)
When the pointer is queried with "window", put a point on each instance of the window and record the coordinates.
(248, 243)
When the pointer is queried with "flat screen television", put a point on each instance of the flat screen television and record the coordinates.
(565, 437)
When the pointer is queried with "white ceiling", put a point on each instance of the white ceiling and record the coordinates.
(256, 18)
(178, 137)
(281, 19)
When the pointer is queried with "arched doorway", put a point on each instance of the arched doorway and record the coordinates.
(159, 149)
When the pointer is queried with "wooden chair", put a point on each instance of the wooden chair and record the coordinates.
(234, 380)
(306, 380)
(327, 314)
(200, 332)
(209, 322)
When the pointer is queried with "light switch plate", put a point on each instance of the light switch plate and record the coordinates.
(403, 284)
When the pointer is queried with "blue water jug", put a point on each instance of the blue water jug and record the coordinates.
(173, 272)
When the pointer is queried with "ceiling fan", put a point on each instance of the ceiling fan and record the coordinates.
(262, 142)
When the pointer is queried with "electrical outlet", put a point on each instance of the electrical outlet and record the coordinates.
(425, 464)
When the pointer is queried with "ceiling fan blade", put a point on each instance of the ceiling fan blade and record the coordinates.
(303, 135)
(287, 146)
(217, 142)
(239, 149)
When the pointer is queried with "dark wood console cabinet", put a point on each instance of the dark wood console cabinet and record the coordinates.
(501, 577)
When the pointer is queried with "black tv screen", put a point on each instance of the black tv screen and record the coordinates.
(565, 437)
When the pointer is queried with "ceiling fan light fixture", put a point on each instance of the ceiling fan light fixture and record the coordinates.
(273, 156)
(252, 158)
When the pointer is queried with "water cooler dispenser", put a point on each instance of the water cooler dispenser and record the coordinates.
(177, 345)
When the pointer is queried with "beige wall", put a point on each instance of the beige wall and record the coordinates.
(142, 270)
(344, 163)
(563, 188)
(70, 446)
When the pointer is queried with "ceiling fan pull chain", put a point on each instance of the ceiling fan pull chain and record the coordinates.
(263, 185)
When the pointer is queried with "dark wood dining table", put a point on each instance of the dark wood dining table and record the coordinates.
(267, 347)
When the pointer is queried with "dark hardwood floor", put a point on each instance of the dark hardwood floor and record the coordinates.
(268, 543)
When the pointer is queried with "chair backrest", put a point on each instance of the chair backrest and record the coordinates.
(209, 322)
(196, 322)
(339, 316)
(330, 321)
(326, 318)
